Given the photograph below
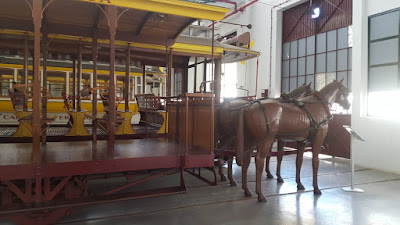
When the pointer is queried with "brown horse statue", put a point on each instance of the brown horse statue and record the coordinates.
(305, 120)
(227, 115)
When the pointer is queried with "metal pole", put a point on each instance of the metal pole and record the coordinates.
(26, 62)
(144, 78)
(169, 78)
(74, 83)
(127, 78)
(217, 81)
(112, 16)
(195, 75)
(44, 84)
(94, 106)
(79, 85)
(36, 128)
(212, 56)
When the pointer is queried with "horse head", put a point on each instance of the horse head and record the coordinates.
(342, 95)
(301, 92)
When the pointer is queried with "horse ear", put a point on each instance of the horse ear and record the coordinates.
(341, 81)
(309, 84)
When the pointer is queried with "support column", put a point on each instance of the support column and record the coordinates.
(44, 83)
(36, 128)
(144, 78)
(26, 71)
(169, 74)
(112, 17)
(205, 74)
(195, 75)
(94, 106)
(79, 87)
(217, 80)
(127, 77)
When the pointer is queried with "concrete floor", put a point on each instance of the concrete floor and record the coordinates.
(223, 204)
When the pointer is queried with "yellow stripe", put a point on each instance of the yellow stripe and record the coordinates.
(173, 7)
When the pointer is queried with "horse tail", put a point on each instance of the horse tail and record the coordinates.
(240, 138)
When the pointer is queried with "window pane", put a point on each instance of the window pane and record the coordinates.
(285, 85)
(321, 63)
(311, 45)
(301, 80)
(342, 60)
(293, 49)
(319, 81)
(384, 25)
(302, 66)
(321, 43)
(330, 77)
(342, 38)
(285, 68)
(342, 75)
(349, 81)
(302, 47)
(384, 52)
(383, 78)
(310, 79)
(331, 61)
(310, 64)
(293, 83)
(332, 40)
(293, 67)
(285, 51)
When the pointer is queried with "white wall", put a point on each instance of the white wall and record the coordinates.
(381, 150)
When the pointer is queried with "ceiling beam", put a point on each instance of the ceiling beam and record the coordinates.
(141, 25)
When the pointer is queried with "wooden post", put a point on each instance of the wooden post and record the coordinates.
(169, 75)
(79, 85)
(44, 83)
(36, 126)
(195, 75)
(26, 71)
(94, 106)
(205, 74)
(112, 17)
(127, 77)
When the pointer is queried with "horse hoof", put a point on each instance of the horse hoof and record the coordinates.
(317, 192)
(233, 183)
(280, 180)
(262, 199)
(300, 187)
(223, 178)
(248, 194)
(270, 176)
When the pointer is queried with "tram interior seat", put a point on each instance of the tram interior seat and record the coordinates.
(150, 108)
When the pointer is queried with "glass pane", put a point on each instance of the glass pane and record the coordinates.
(285, 68)
(330, 77)
(285, 51)
(293, 67)
(285, 85)
(302, 47)
(331, 61)
(342, 38)
(293, 49)
(321, 42)
(319, 81)
(384, 25)
(342, 75)
(332, 40)
(342, 60)
(302, 66)
(301, 80)
(311, 45)
(310, 79)
(321, 63)
(293, 83)
(383, 78)
(384, 52)
(349, 81)
(350, 58)
(310, 64)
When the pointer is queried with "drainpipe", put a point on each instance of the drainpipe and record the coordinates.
(236, 11)
(270, 47)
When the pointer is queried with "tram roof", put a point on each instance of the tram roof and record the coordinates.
(157, 22)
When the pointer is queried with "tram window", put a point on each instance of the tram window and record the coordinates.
(138, 86)
(6, 84)
(56, 84)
